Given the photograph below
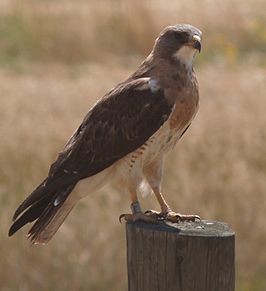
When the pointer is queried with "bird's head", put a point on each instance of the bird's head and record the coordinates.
(178, 43)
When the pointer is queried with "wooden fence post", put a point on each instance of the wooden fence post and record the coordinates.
(196, 256)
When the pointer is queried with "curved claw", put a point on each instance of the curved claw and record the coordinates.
(191, 217)
(122, 216)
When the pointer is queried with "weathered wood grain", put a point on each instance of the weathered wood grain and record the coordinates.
(196, 256)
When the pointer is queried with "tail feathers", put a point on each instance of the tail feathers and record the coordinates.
(30, 215)
(50, 210)
(36, 195)
(49, 222)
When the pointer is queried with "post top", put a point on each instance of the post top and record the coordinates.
(202, 228)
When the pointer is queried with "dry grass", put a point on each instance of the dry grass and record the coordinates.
(76, 31)
(217, 170)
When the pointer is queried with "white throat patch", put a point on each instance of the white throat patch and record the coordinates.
(186, 55)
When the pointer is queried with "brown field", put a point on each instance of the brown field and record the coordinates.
(57, 58)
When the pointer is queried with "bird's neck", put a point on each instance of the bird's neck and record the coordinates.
(155, 67)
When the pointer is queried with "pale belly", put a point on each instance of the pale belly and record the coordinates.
(160, 143)
(164, 140)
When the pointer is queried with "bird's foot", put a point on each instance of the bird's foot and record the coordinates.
(172, 216)
(138, 216)
(177, 217)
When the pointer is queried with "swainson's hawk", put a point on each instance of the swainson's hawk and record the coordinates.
(123, 138)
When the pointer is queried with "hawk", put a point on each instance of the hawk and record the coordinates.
(123, 138)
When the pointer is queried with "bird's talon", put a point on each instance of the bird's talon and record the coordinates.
(151, 216)
(122, 216)
(177, 217)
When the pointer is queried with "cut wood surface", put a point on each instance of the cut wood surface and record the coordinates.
(188, 256)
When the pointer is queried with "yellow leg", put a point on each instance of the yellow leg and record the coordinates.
(164, 206)
(167, 213)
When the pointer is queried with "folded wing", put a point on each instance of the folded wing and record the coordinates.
(118, 124)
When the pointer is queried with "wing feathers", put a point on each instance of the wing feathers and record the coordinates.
(118, 124)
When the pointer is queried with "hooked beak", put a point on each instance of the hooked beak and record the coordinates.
(196, 41)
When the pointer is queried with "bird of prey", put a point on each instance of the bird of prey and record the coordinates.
(123, 138)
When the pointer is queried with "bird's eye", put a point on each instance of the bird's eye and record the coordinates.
(180, 36)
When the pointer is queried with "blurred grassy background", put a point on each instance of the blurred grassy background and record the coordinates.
(57, 58)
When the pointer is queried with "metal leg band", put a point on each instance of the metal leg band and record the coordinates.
(135, 207)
